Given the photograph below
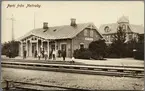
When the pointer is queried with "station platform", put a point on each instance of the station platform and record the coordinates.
(107, 61)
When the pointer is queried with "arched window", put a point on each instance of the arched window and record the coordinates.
(82, 45)
(123, 26)
(106, 29)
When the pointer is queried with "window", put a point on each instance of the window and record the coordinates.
(81, 45)
(107, 38)
(111, 39)
(91, 33)
(85, 32)
(107, 29)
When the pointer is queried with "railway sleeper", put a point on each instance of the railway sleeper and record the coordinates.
(76, 67)
(66, 67)
(105, 69)
(118, 70)
(84, 68)
(55, 66)
(38, 65)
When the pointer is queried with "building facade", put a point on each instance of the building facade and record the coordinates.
(68, 37)
(132, 31)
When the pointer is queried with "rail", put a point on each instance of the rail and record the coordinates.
(13, 84)
(110, 71)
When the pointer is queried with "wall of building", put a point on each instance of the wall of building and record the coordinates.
(73, 44)
(68, 45)
(81, 38)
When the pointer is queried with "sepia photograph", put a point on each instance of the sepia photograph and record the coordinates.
(72, 45)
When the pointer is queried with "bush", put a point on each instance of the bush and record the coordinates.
(139, 54)
(82, 53)
(110, 53)
(10, 49)
(98, 49)
(130, 46)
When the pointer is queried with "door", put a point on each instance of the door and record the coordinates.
(63, 47)
(33, 49)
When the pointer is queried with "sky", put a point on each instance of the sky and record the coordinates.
(58, 13)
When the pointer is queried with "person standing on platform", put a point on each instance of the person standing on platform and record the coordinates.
(56, 53)
(45, 55)
(63, 54)
(39, 55)
(35, 54)
(24, 54)
(42, 53)
(53, 54)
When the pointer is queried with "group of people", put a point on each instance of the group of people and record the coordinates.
(55, 53)
(44, 54)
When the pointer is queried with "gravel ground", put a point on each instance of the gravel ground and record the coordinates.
(81, 81)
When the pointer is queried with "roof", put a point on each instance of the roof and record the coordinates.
(113, 28)
(58, 32)
(137, 28)
(123, 19)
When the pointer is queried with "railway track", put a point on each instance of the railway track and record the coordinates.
(29, 86)
(67, 63)
(81, 69)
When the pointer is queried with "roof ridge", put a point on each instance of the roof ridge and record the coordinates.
(67, 25)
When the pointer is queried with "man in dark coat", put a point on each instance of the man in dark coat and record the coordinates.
(35, 53)
(24, 54)
(63, 53)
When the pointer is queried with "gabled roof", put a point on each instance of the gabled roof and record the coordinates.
(123, 19)
(58, 32)
(113, 28)
(137, 28)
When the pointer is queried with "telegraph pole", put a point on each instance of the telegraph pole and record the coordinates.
(34, 20)
(12, 19)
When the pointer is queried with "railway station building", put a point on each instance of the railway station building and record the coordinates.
(69, 37)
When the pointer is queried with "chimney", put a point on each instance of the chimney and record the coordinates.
(45, 25)
(73, 22)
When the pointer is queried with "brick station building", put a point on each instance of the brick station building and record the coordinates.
(132, 31)
(69, 37)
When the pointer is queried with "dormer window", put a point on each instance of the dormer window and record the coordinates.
(107, 29)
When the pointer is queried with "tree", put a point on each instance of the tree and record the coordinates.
(98, 49)
(118, 45)
(10, 49)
